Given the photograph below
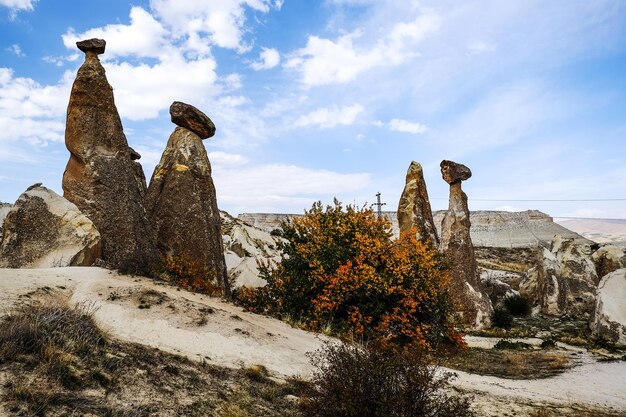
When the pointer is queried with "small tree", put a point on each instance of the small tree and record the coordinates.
(341, 270)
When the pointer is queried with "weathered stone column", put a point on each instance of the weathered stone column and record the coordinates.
(472, 303)
(181, 198)
(101, 177)
(414, 210)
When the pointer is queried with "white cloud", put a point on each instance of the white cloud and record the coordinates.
(400, 125)
(480, 47)
(17, 5)
(17, 50)
(378, 123)
(219, 23)
(225, 159)
(269, 58)
(32, 112)
(327, 117)
(143, 37)
(323, 61)
(273, 187)
(141, 91)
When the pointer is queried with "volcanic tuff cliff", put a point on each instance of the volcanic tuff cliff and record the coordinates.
(498, 229)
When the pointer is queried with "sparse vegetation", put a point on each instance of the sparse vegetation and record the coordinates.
(341, 273)
(56, 361)
(356, 381)
(511, 345)
(511, 363)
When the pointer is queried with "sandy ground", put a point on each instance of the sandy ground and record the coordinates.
(142, 311)
(139, 310)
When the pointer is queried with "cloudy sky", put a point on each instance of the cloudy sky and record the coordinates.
(316, 99)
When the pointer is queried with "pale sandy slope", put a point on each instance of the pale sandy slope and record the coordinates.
(193, 325)
(181, 322)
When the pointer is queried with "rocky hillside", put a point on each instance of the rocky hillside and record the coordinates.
(499, 229)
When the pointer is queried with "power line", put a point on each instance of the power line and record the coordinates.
(539, 200)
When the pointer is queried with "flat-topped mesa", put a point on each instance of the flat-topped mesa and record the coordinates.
(414, 212)
(473, 305)
(453, 173)
(102, 177)
(94, 45)
(181, 199)
(189, 117)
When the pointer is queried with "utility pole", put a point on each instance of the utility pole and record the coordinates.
(379, 204)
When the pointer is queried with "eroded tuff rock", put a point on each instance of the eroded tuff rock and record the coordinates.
(473, 304)
(182, 205)
(414, 210)
(101, 177)
(44, 230)
(608, 258)
(609, 319)
(189, 117)
(243, 246)
(564, 279)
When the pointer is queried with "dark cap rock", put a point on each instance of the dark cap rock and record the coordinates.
(189, 117)
(92, 45)
(453, 172)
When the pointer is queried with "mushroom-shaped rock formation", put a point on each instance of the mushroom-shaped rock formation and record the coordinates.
(414, 210)
(181, 201)
(453, 173)
(472, 303)
(189, 117)
(101, 177)
(44, 230)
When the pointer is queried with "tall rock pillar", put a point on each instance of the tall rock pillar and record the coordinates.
(473, 305)
(101, 176)
(181, 198)
(414, 210)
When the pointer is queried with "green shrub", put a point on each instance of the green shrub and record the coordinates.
(355, 381)
(517, 305)
(502, 318)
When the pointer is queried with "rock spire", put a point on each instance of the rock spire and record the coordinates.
(101, 176)
(414, 210)
(474, 306)
(181, 198)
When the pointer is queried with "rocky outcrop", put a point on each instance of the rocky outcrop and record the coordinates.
(564, 279)
(414, 212)
(244, 245)
(182, 204)
(44, 230)
(609, 319)
(609, 258)
(544, 287)
(101, 177)
(473, 305)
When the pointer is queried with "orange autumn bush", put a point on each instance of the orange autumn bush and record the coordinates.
(189, 274)
(341, 271)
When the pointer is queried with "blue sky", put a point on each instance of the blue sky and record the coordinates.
(316, 99)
